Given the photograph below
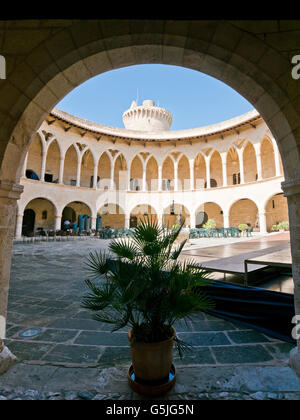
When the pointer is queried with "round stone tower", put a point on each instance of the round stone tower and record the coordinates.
(147, 117)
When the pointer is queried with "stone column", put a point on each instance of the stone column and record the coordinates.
(291, 190)
(226, 220)
(192, 220)
(207, 164)
(262, 222)
(95, 177)
(176, 176)
(144, 183)
(43, 169)
(159, 187)
(241, 160)
(61, 170)
(57, 222)
(19, 224)
(112, 176)
(258, 161)
(127, 220)
(9, 194)
(78, 173)
(93, 223)
(160, 219)
(224, 168)
(192, 178)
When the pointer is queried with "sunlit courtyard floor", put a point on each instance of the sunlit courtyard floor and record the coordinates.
(72, 354)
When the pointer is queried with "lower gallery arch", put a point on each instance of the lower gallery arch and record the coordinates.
(244, 211)
(112, 216)
(276, 210)
(77, 213)
(173, 215)
(39, 216)
(140, 213)
(209, 211)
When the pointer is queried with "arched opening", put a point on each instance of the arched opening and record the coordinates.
(120, 173)
(70, 166)
(267, 158)
(199, 172)
(216, 170)
(174, 214)
(152, 174)
(244, 211)
(276, 211)
(112, 216)
(52, 163)
(250, 164)
(87, 170)
(209, 211)
(183, 174)
(104, 168)
(136, 174)
(168, 175)
(38, 217)
(233, 167)
(34, 159)
(142, 212)
(78, 214)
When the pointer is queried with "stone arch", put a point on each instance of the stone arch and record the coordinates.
(152, 174)
(136, 173)
(267, 158)
(209, 210)
(199, 171)
(120, 172)
(174, 213)
(216, 176)
(104, 171)
(35, 155)
(112, 216)
(70, 166)
(244, 211)
(276, 209)
(44, 216)
(250, 164)
(87, 169)
(183, 173)
(52, 162)
(168, 174)
(142, 212)
(73, 211)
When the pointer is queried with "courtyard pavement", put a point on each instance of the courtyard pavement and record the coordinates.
(73, 356)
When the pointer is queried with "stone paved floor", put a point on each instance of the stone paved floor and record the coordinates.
(72, 353)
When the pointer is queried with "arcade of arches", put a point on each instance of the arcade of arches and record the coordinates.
(45, 62)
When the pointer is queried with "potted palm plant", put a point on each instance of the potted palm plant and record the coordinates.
(142, 284)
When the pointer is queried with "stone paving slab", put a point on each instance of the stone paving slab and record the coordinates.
(72, 352)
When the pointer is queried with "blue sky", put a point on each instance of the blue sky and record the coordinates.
(193, 98)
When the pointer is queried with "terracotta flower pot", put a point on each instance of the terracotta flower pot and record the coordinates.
(152, 362)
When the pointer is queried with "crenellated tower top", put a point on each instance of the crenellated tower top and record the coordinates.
(147, 117)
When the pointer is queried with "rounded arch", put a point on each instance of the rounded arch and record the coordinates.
(216, 176)
(136, 173)
(112, 215)
(140, 213)
(77, 213)
(174, 213)
(52, 161)
(168, 173)
(87, 169)
(209, 210)
(34, 158)
(244, 210)
(120, 172)
(152, 174)
(276, 209)
(104, 171)
(233, 167)
(199, 171)
(38, 216)
(183, 173)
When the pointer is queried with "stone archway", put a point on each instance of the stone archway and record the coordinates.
(63, 55)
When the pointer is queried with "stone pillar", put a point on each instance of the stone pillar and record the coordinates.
(9, 194)
(262, 222)
(57, 222)
(176, 176)
(78, 173)
(258, 161)
(224, 168)
(226, 220)
(19, 225)
(207, 164)
(291, 190)
(112, 176)
(128, 179)
(93, 223)
(43, 169)
(159, 187)
(95, 177)
(241, 160)
(61, 170)
(160, 219)
(144, 183)
(192, 220)
(192, 178)
(127, 220)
